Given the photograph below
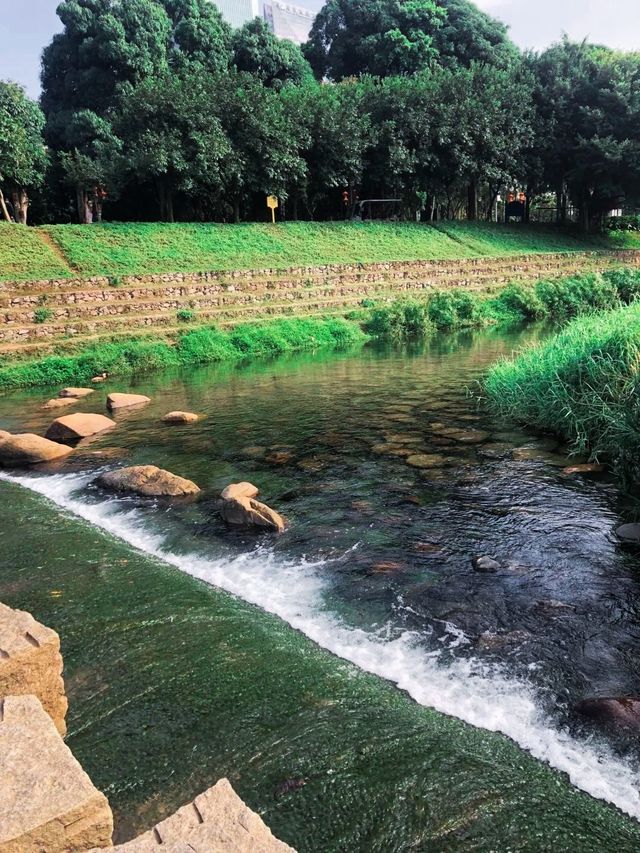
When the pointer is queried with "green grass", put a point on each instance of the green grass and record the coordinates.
(447, 310)
(25, 255)
(583, 385)
(199, 346)
(134, 249)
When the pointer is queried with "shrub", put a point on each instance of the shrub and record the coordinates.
(185, 315)
(41, 315)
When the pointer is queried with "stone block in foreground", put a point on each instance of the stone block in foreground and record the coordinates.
(215, 822)
(31, 663)
(48, 804)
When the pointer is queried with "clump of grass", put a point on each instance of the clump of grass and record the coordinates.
(198, 346)
(41, 315)
(185, 315)
(583, 385)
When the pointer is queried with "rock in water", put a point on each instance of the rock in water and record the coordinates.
(30, 449)
(486, 565)
(60, 402)
(621, 711)
(77, 426)
(76, 393)
(148, 480)
(240, 509)
(629, 533)
(4, 435)
(126, 401)
(180, 418)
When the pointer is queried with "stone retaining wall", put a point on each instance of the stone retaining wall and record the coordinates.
(99, 307)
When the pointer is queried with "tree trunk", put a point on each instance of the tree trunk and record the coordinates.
(236, 209)
(3, 208)
(294, 207)
(97, 207)
(20, 201)
(82, 203)
(472, 201)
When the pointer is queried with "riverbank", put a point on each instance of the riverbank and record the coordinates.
(122, 249)
(581, 385)
(391, 318)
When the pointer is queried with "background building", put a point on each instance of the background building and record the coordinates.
(288, 21)
(238, 12)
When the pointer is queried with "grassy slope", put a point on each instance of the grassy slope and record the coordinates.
(583, 385)
(134, 249)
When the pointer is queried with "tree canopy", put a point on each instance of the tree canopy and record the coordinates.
(23, 156)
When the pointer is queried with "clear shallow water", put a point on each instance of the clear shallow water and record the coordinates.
(376, 565)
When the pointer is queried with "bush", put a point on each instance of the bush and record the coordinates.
(41, 315)
(624, 223)
(185, 315)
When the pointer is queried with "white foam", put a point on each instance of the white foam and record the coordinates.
(483, 697)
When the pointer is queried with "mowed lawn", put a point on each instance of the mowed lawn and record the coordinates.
(139, 248)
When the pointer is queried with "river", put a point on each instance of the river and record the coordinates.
(174, 682)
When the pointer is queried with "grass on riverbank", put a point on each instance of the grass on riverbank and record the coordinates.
(401, 318)
(199, 346)
(583, 385)
(145, 248)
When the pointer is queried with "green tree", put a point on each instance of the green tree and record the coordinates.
(23, 157)
(386, 37)
(172, 136)
(588, 114)
(274, 61)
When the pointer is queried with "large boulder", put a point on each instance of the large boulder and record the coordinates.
(621, 711)
(77, 426)
(76, 393)
(215, 822)
(240, 509)
(48, 804)
(126, 401)
(180, 418)
(60, 402)
(4, 435)
(148, 480)
(29, 449)
(31, 663)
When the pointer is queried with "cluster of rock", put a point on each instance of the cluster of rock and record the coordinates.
(48, 804)
(239, 507)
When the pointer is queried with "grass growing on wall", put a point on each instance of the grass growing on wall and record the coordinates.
(583, 385)
(146, 248)
(133, 357)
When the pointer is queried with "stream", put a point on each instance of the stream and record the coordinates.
(181, 665)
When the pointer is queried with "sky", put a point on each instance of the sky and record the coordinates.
(27, 26)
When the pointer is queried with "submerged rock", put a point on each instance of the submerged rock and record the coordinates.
(586, 468)
(60, 402)
(149, 481)
(621, 711)
(428, 460)
(180, 418)
(30, 449)
(126, 401)
(486, 565)
(76, 393)
(77, 426)
(489, 641)
(240, 509)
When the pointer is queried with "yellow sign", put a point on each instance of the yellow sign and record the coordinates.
(272, 204)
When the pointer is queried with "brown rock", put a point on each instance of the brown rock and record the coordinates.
(97, 379)
(387, 567)
(126, 401)
(279, 457)
(4, 435)
(30, 449)
(77, 426)
(240, 509)
(215, 822)
(76, 393)
(427, 460)
(31, 663)
(148, 480)
(621, 711)
(180, 418)
(587, 468)
(235, 491)
(60, 402)
(47, 801)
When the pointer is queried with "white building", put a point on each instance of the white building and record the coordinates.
(238, 12)
(288, 21)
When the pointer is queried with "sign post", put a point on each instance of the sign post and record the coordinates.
(272, 204)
